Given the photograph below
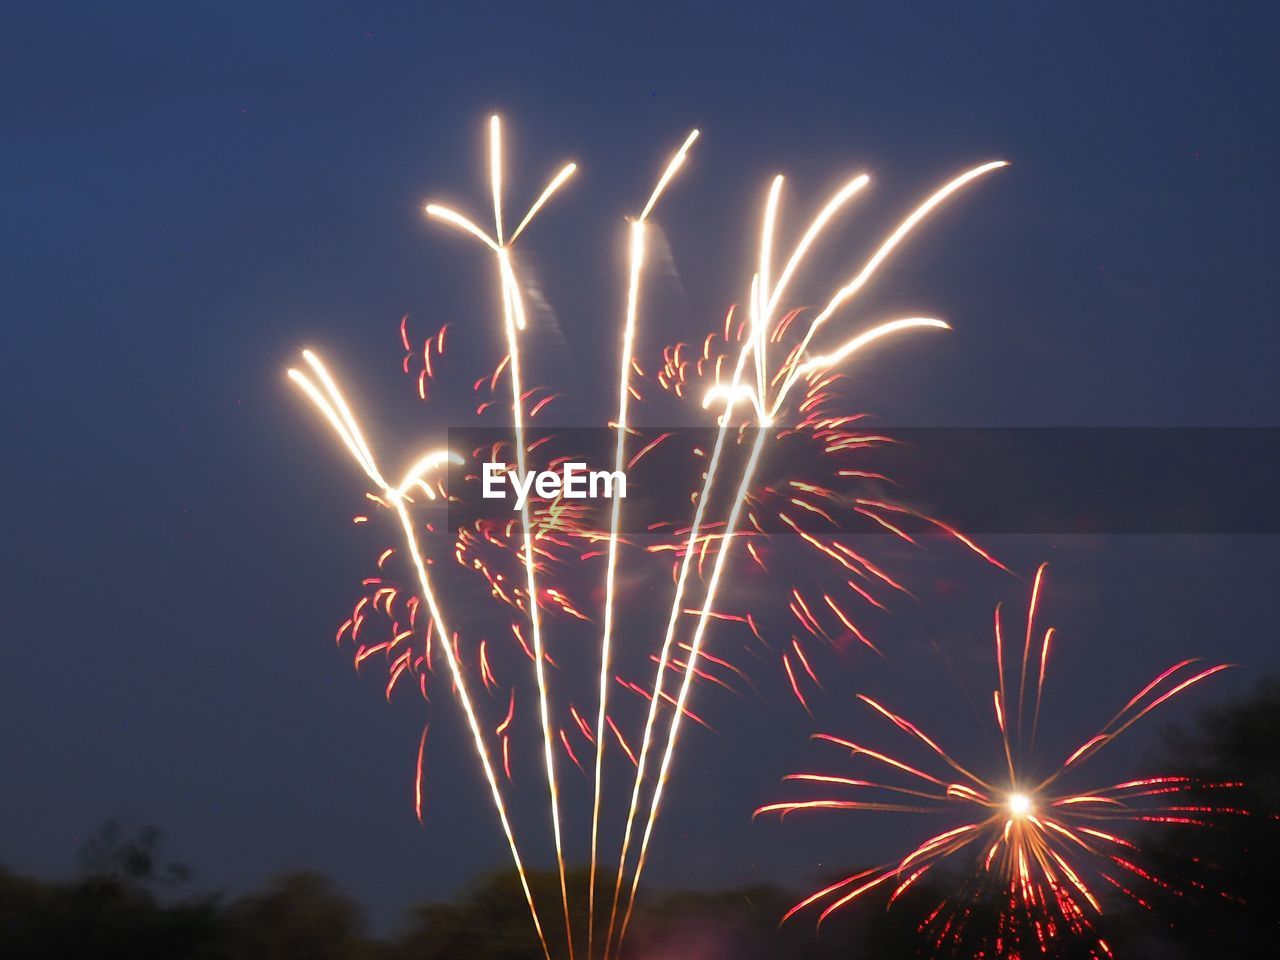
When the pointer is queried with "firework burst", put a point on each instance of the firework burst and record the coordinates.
(803, 567)
(1041, 851)
(542, 566)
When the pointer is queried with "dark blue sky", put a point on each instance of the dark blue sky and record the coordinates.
(190, 195)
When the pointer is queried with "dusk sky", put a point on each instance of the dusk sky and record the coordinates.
(192, 195)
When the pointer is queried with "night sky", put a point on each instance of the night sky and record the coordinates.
(192, 195)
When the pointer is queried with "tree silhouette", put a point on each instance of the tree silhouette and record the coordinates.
(1229, 867)
(109, 910)
(299, 916)
(109, 854)
(128, 902)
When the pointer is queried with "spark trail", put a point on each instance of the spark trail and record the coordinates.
(329, 401)
(637, 258)
(763, 302)
(513, 322)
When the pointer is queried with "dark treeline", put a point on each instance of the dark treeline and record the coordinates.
(127, 901)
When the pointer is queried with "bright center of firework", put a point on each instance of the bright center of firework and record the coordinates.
(1019, 804)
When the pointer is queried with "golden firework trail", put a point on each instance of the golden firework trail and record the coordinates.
(513, 318)
(764, 301)
(329, 401)
(637, 258)
(1039, 849)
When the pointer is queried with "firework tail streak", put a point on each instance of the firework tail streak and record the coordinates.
(763, 304)
(513, 317)
(637, 257)
(331, 404)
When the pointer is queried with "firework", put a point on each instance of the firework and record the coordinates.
(767, 402)
(796, 533)
(767, 371)
(324, 393)
(1040, 849)
(513, 321)
(637, 258)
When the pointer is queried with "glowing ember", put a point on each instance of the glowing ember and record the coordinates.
(1019, 805)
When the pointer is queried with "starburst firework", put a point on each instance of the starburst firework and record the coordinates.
(1039, 849)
